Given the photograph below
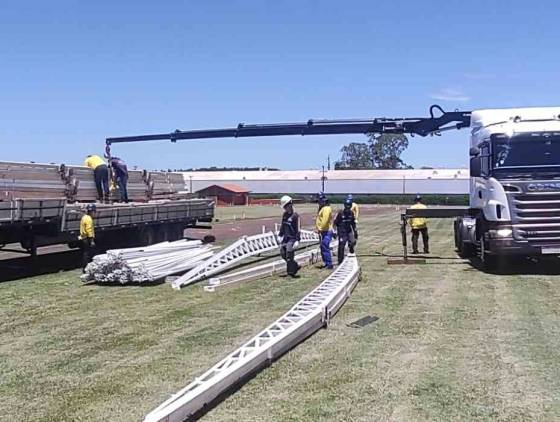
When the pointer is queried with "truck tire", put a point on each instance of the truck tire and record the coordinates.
(148, 236)
(464, 249)
(490, 263)
(175, 232)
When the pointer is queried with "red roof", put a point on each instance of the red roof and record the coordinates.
(230, 187)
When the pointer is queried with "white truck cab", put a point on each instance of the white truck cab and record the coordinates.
(514, 186)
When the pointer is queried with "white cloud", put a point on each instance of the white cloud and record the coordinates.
(450, 94)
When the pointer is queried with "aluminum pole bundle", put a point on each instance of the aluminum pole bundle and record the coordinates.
(307, 316)
(245, 247)
(138, 265)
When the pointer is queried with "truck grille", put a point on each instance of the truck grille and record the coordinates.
(536, 217)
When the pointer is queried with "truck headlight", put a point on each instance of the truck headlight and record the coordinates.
(500, 233)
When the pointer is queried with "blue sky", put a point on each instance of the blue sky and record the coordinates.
(73, 73)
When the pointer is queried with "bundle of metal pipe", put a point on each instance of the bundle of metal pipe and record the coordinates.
(165, 185)
(152, 263)
(30, 180)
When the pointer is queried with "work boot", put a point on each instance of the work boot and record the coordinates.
(415, 252)
(426, 251)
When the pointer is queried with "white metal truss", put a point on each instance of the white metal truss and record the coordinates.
(260, 271)
(264, 270)
(245, 247)
(307, 316)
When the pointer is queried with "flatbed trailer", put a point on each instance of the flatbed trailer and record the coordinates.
(43, 222)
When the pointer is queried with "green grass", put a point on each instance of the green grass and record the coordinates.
(451, 343)
(254, 212)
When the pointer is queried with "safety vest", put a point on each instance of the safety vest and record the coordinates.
(418, 222)
(86, 227)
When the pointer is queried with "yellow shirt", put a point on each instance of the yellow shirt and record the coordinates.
(93, 161)
(86, 227)
(355, 210)
(418, 222)
(323, 222)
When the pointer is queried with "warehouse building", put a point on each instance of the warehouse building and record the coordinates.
(425, 181)
(226, 194)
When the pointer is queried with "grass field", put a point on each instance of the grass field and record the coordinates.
(450, 343)
(240, 212)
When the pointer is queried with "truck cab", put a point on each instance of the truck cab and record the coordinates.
(514, 185)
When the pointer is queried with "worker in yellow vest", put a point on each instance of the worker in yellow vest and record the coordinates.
(100, 175)
(323, 225)
(419, 225)
(87, 235)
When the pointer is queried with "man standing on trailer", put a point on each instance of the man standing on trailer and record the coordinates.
(100, 175)
(87, 235)
(290, 233)
(419, 225)
(323, 225)
(345, 224)
(120, 175)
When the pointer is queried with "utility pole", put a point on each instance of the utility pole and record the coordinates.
(323, 178)
(190, 184)
(328, 162)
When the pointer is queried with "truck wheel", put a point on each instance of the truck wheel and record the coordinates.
(489, 262)
(176, 232)
(464, 249)
(147, 236)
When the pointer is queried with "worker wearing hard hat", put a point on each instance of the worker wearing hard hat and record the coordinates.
(354, 208)
(290, 234)
(345, 224)
(87, 235)
(323, 225)
(100, 175)
(419, 225)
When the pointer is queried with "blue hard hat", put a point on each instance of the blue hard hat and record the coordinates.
(348, 203)
(349, 197)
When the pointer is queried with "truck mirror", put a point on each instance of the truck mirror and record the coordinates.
(475, 167)
(474, 151)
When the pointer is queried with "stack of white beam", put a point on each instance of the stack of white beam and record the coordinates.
(152, 263)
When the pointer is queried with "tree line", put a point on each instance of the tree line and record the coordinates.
(378, 152)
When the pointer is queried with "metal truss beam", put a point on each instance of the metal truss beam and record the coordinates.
(264, 270)
(245, 247)
(307, 316)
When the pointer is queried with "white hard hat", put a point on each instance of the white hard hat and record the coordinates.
(285, 200)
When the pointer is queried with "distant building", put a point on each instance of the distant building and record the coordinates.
(425, 181)
(226, 194)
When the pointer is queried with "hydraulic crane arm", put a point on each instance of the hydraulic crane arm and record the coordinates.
(422, 126)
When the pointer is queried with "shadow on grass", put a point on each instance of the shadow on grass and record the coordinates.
(23, 267)
(520, 266)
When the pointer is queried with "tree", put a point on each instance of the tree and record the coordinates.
(355, 156)
(386, 150)
(380, 152)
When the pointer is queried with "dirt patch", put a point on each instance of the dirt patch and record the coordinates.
(234, 229)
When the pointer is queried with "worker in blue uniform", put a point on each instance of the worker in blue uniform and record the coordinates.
(290, 235)
(120, 176)
(345, 225)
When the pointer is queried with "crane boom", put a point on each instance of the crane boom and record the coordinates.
(422, 126)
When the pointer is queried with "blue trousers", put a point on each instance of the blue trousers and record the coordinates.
(326, 238)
